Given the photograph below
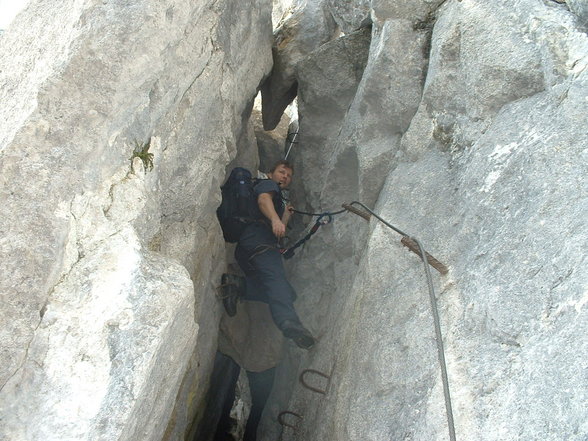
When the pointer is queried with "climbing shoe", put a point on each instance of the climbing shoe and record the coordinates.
(232, 289)
(298, 333)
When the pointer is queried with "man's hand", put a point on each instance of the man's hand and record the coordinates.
(266, 205)
(278, 228)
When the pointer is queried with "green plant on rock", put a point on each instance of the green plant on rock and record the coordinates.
(142, 152)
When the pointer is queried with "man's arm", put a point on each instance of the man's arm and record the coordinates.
(266, 206)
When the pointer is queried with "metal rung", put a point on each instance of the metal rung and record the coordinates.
(284, 423)
(312, 388)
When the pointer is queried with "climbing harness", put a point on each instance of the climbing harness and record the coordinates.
(320, 214)
(323, 219)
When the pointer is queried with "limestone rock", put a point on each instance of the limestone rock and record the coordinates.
(103, 354)
(251, 338)
(103, 318)
(308, 25)
(328, 79)
(580, 8)
(351, 16)
(271, 144)
(280, 11)
(491, 175)
(387, 98)
(417, 11)
(461, 122)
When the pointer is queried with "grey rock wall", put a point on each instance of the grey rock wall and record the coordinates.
(271, 144)
(109, 269)
(480, 151)
(461, 122)
(350, 16)
(304, 27)
(328, 79)
(580, 8)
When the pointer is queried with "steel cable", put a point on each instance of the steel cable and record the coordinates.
(432, 298)
(436, 321)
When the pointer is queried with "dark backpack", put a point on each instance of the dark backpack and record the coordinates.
(236, 209)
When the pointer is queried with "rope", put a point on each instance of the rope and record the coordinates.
(436, 320)
(440, 350)
(426, 258)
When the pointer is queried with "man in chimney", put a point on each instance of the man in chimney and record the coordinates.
(258, 255)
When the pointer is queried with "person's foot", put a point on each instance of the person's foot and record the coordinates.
(233, 287)
(295, 331)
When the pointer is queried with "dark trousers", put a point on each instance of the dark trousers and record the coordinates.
(260, 386)
(225, 423)
(260, 260)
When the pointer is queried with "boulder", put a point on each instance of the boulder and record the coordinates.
(328, 79)
(490, 174)
(118, 122)
(308, 25)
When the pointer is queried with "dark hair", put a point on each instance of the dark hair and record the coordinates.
(284, 163)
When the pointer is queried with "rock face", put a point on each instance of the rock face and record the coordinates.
(304, 28)
(460, 122)
(271, 144)
(328, 79)
(580, 8)
(109, 267)
(465, 130)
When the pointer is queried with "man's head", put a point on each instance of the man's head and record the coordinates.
(281, 173)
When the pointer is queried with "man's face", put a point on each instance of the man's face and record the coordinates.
(282, 175)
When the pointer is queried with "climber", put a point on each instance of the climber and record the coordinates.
(251, 341)
(258, 255)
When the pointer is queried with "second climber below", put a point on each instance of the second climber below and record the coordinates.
(258, 255)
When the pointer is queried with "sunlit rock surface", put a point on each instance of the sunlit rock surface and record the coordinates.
(328, 80)
(109, 268)
(460, 122)
(483, 157)
(580, 8)
(304, 27)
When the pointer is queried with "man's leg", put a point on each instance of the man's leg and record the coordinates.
(257, 256)
(272, 279)
(281, 297)
(224, 425)
(260, 386)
